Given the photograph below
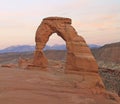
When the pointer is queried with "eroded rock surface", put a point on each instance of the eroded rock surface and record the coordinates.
(53, 87)
(79, 57)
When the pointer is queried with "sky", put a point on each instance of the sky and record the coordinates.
(98, 21)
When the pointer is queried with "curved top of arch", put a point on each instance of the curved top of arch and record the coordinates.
(61, 26)
(62, 19)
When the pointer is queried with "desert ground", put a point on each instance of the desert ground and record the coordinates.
(20, 86)
(51, 86)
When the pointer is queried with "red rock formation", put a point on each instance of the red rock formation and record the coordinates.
(79, 57)
(23, 63)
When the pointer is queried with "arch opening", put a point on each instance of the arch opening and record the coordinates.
(55, 51)
(55, 39)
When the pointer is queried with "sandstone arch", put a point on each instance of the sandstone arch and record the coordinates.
(79, 56)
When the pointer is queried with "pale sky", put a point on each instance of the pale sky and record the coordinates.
(98, 21)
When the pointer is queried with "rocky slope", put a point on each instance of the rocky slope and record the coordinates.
(111, 79)
(108, 59)
(108, 53)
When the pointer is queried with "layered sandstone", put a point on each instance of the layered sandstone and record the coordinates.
(79, 56)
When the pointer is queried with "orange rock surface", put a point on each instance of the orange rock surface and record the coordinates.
(79, 56)
(18, 86)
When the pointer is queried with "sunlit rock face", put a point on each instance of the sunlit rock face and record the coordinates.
(79, 57)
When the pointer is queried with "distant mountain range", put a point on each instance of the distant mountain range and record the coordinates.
(26, 48)
(55, 47)
(19, 48)
(92, 46)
